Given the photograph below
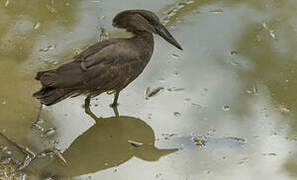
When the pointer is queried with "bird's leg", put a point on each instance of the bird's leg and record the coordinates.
(87, 104)
(35, 124)
(87, 108)
(115, 101)
(115, 110)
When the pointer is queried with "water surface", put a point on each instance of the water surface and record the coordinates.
(232, 89)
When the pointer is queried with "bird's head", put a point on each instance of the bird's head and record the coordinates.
(137, 21)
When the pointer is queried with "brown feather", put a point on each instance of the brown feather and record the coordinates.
(105, 66)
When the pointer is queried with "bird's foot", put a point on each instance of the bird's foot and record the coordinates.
(91, 114)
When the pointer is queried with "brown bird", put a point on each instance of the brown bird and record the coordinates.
(107, 66)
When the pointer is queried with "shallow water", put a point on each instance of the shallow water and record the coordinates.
(226, 105)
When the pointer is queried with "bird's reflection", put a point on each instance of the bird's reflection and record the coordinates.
(106, 145)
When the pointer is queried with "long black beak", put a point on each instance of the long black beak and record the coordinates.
(163, 32)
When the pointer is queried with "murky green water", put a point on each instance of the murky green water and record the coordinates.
(227, 109)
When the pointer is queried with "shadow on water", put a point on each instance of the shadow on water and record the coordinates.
(108, 144)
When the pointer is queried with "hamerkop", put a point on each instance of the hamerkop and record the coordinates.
(107, 66)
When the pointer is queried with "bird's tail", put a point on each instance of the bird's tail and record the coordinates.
(49, 94)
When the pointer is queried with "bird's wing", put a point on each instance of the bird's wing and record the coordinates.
(120, 51)
(103, 67)
(95, 48)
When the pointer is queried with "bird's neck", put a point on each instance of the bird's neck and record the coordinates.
(145, 42)
(144, 36)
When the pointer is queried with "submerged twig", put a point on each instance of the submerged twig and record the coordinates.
(31, 156)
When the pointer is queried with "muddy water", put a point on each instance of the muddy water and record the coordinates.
(225, 106)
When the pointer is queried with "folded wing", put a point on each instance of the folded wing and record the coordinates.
(110, 68)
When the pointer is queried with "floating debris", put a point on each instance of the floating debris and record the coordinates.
(167, 136)
(197, 105)
(135, 143)
(175, 89)
(37, 127)
(237, 139)
(243, 160)
(6, 3)
(233, 53)
(150, 116)
(152, 93)
(36, 25)
(264, 25)
(49, 132)
(3, 102)
(226, 108)
(177, 114)
(271, 32)
(173, 11)
(216, 11)
(234, 63)
(176, 73)
(158, 175)
(170, 135)
(50, 47)
(5, 150)
(199, 142)
(51, 153)
(187, 99)
(5, 160)
(77, 51)
(25, 162)
(103, 35)
(211, 132)
(284, 109)
(3, 174)
(60, 156)
(253, 90)
(175, 56)
(51, 9)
